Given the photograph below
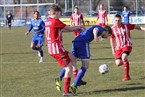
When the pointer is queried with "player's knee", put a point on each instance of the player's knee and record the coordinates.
(118, 62)
(124, 57)
(85, 63)
(34, 48)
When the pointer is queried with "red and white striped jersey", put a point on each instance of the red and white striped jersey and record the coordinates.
(102, 14)
(122, 35)
(53, 32)
(76, 18)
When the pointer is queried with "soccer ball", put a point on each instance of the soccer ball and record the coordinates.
(103, 68)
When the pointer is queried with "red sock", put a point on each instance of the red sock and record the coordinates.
(126, 68)
(75, 72)
(66, 84)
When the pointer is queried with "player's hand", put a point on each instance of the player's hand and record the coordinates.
(96, 39)
(113, 53)
(27, 33)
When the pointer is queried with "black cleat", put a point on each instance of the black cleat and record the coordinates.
(82, 83)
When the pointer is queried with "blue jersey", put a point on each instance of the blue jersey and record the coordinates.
(80, 45)
(125, 15)
(87, 35)
(37, 25)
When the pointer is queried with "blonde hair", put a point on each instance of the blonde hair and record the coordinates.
(54, 8)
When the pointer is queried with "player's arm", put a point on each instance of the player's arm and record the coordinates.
(72, 28)
(95, 32)
(29, 30)
(97, 18)
(106, 18)
(71, 21)
(139, 27)
(82, 20)
(112, 42)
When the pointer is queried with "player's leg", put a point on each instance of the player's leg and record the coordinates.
(82, 51)
(126, 66)
(40, 51)
(65, 62)
(74, 66)
(118, 62)
(9, 24)
(118, 55)
(34, 44)
(81, 72)
(125, 53)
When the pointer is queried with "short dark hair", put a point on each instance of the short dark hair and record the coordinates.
(36, 12)
(76, 7)
(118, 16)
(108, 28)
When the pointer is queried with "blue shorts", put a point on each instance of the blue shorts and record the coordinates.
(39, 40)
(81, 50)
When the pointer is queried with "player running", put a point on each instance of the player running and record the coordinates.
(38, 27)
(54, 29)
(123, 46)
(81, 50)
(76, 19)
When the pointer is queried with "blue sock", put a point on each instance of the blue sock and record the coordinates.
(41, 52)
(34, 48)
(61, 75)
(80, 75)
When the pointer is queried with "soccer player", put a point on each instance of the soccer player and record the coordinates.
(123, 46)
(81, 50)
(38, 27)
(9, 18)
(102, 18)
(54, 28)
(76, 19)
(126, 15)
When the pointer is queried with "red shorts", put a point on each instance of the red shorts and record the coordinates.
(76, 34)
(102, 24)
(118, 53)
(62, 58)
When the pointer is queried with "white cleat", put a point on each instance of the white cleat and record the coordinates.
(41, 60)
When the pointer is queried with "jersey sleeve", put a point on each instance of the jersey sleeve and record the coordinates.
(31, 26)
(130, 26)
(59, 24)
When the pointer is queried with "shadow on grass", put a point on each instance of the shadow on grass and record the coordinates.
(114, 90)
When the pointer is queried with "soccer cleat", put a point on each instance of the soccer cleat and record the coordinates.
(41, 60)
(126, 78)
(68, 94)
(73, 89)
(58, 83)
(82, 83)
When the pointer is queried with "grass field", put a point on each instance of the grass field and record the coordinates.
(22, 75)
